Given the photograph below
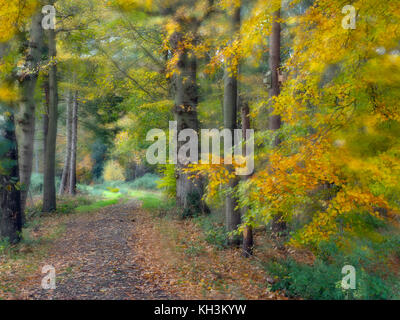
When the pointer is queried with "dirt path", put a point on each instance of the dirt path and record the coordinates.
(94, 259)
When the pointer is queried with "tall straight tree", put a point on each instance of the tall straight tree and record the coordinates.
(275, 122)
(248, 230)
(27, 105)
(49, 185)
(185, 113)
(74, 144)
(66, 170)
(232, 213)
(189, 192)
(10, 194)
(274, 64)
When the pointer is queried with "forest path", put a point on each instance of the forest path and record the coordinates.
(94, 259)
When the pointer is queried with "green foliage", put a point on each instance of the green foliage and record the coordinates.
(154, 201)
(71, 204)
(65, 205)
(113, 190)
(194, 207)
(322, 279)
(117, 189)
(168, 181)
(36, 187)
(193, 249)
(148, 182)
(33, 211)
(99, 153)
(214, 230)
(4, 246)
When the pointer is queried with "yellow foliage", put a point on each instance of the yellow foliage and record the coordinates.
(360, 96)
(12, 16)
(113, 172)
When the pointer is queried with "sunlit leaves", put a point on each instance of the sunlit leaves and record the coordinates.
(343, 88)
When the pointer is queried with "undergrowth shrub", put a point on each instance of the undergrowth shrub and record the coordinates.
(65, 205)
(167, 183)
(36, 187)
(113, 172)
(322, 279)
(195, 206)
(148, 182)
(214, 230)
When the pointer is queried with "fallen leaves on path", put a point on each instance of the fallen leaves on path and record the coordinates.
(94, 260)
(162, 247)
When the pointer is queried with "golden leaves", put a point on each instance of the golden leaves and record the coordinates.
(13, 15)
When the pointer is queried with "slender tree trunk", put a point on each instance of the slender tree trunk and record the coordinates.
(74, 140)
(232, 214)
(36, 160)
(49, 186)
(10, 194)
(248, 231)
(278, 224)
(189, 193)
(274, 65)
(26, 118)
(45, 118)
(66, 171)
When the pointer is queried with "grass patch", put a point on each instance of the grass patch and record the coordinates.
(96, 205)
(153, 200)
(68, 205)
(115, 189)
(140, 189)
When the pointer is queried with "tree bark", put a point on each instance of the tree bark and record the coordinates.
(74, 140)
(189, 193)
(27, 105)
(66, 170)
(49, 187)
(248, 230)
(232, 214)
(10, 194)
(45, 118)
(274, 65)
(275, 123)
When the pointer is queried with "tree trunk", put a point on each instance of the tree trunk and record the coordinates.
(26, 118)
(248, 231)
(66, 170)
(74, 140)
(232, 214)
(278, 224)
(189, 193)
(10, 194)
(45, 118)
(49, 186)
(274, 64)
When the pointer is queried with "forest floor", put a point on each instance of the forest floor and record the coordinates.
(94, 259)
(127, 251)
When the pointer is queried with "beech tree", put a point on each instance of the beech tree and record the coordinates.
(49, 183)
(13, 15)
(189, 192)
(67, 162)
(231, 99)
(10, 193)
(274, 121)
(27, 105)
